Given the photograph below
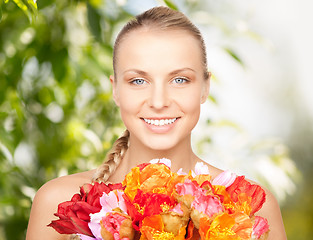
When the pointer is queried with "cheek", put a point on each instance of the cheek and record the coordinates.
(129, 102)
(190, 100)
(190, 105)
(192, 108)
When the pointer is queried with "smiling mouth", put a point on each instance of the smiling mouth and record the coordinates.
(160, 122)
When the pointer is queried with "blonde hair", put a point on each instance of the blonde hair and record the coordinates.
(160, 18)
(113, 159)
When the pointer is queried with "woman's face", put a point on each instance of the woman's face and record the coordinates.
(159, 86)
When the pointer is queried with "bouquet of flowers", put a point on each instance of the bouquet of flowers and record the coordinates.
(154, 203)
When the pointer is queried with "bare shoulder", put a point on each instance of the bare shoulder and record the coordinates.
(271, 211)
(46, 202)
(65, 186)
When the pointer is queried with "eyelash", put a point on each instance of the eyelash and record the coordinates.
(135, 81)
(185, 80)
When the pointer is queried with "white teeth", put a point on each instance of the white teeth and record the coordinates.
(161, 122)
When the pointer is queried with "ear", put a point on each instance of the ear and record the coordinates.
(114, 90)
(206, 88)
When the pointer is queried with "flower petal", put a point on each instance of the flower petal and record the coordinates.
(260, 227)
(165, 161)
(257, 194)
(201, 168)
(225, 178)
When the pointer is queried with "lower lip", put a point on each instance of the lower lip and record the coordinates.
(160, 129)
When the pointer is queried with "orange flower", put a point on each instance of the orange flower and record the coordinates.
(151, 178)
(153, 229)
(132, 183)
(243, 225)
(222, 193)
(155, 177)
(226, 226)
(200, 179)
(174, 221)
(243, 203)
(219, 229)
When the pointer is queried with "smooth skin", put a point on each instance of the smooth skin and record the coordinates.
(159, 75)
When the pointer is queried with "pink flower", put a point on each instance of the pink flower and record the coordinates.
(201, 168)
(109, 201)
(208, 205)
(260, 227)
(113, 200)
(177, 209)
(165, 161)
(189, 188)
(181, 172)
(112, 225)
(225, 178)
(85, 237)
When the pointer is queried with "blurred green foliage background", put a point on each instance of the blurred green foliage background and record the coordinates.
(57, 116)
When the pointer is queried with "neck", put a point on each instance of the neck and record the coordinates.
(180, 155)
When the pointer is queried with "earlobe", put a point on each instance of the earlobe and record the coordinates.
(114, 91)
(206, 89)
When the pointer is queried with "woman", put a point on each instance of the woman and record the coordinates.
(160, 80)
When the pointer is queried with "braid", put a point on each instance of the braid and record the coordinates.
(113, 159)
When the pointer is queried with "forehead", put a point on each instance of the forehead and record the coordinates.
(163, 49)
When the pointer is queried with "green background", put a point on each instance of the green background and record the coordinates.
(56, 110)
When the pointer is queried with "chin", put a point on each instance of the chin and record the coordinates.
(159, 147)
(160, 143)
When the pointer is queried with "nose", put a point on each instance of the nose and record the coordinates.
(159, 97)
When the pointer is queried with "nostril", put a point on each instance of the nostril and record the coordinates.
(159, 99)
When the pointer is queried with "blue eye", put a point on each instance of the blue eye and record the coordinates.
(138, 81)
(180, 80)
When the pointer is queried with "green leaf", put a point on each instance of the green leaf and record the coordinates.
(234, 55)
(29, 7)
(170, 4)
(94, 20)
(212, 99)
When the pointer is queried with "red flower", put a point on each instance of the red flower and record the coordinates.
(257, 194)
(147, 204)
(74, 215)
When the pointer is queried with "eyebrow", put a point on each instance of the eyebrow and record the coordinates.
(181, 70)
(140, 72)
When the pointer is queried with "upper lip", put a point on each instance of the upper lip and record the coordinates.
(158, 118)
